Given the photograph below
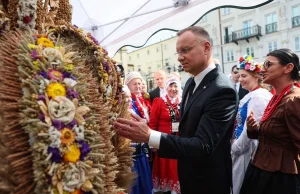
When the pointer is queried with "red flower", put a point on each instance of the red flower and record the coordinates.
(27, 19)
(241, 59)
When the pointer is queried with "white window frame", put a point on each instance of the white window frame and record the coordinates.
(229, 56)
(272, 46)
(250, 51)
(296, 7)
(226, 11)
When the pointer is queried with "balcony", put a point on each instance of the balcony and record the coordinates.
(296, 21)
(244, 34)
(270, 28)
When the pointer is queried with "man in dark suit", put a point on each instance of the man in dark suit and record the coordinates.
(237, 85)
(160, 77)
(208, 110)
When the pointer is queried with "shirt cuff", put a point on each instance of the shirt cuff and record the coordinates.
(154, 139)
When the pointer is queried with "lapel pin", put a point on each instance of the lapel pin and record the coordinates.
(204, 87)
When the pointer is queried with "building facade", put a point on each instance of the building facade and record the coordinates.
(234, 32)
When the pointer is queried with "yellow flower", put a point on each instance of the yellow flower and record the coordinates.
(68, 67)
(67, 136)
(249, 58)
(45, 42)
(56, 89)
(72, 155)
(32, 46)
(36, 65)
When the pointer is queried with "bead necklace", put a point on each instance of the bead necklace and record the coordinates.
(173, 109)
(276, 100)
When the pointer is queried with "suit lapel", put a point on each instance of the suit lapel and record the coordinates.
(205, 83)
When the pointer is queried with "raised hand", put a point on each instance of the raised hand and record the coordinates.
(137, 130)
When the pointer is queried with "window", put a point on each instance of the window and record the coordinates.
(271, 23)
(157, 49)
(148, 52)
(297, 43)
(272, 46)
(226, 11)
(138, 56)
(296, 16)
(250, 51)
(296, 11)
(229, 56)
(228, 34)
(247, 27)
(129, 58)
(139, 68)
(158, 65)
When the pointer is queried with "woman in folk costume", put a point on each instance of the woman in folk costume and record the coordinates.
(164, 117)
(140, 106)
(276, 165)
(255, 101)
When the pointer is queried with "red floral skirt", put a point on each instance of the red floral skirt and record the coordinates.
(164, 175)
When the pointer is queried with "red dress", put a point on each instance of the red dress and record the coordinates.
(164, 174)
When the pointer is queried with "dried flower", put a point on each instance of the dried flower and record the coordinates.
(56, 157)
(57, 124)
(45, 42)
(72, 154)
(68, 67)
(43, 74)
(71, 94)
(55, 75)
(61, 108)
(36, 65)
(84, 149)
(27, 19)
(56, 89)
(67, 136)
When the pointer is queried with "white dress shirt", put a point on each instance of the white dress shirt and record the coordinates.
(155, 136)
(161, 92)
(237, 86)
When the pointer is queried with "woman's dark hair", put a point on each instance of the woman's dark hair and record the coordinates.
(286, 56)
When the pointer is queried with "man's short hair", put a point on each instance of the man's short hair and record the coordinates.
(233, 68)
(197, 30)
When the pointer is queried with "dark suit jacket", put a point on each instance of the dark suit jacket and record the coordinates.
(203, 146)
(242, 92)
(154, 94)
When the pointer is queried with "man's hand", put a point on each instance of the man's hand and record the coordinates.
(138, 131)
(252, 126)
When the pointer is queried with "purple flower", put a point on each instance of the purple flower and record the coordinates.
(84, 149)
(73, 77)
(57, 124)
(94, 40)
(42, 117)
(75, 26)
(56, 157)
(66, 74)
(44, 74)
(71, 124)
(72, 94)
(33, 54)
(42, 98)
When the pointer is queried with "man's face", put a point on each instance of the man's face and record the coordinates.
(193, 52)
(160, 79)
(235, 75)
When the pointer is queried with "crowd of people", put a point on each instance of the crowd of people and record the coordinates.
(219, 135)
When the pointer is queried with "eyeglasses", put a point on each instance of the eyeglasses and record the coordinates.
(268, 63)
(187, 49)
